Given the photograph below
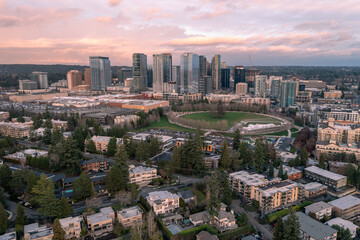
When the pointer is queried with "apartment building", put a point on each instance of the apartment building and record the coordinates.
(319, 210)
(59, 124)
(331, 148)
(72, 227)
(163, 202)
(334, 94)
(130, 217)
(346, 207)
(101, 142)
(330, 179)
(4, 116)
(314, 189)
(312, 229)
(352, 116)
(341, 133)
(141, 175)
(15, 130)
(344, 224)
(126, 119)
(95, 164)
(34, 232)
(8, 236)
(101, 224)
(292, 173)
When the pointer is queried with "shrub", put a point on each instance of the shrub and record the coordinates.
(232, 234)
(145, 204)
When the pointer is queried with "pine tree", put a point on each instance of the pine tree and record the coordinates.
(21, 218)
(47, 136)
(82, 187)
(111, 148)
(5, 176)
(48, 123)
(141, 151)
(281, 171)
(70, 156)
(304, 155)
(245, 154)
(271, 170)
(129, 146)
(225, 159)
(292, 227)
(59, 233)
(322, 161)
(91, 147)
(176, 159)
(259, 156)
(226, 192)
(117, 178)
(279, 230)
(3, 219)
(65, 209)
(213, 204)
(285, 176)
(236, 140)
(56, 137)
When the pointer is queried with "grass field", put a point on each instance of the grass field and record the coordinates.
(233, 118)
(282, 133)
(165, 124)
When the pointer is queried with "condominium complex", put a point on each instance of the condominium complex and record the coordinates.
(319, 210)
(344, 224)
(72, 227)
(333, 94)
(101, 142)
(288, 93)
(351, 116)
(331, 148)
(216, 71)
(162, 71)
(41, 78)
(101, 224)
(314, 189)
(4, 116)
(330, 179)
(241, 88)
(141, 175)
(346, 207)
(126, 119)
(35, 232)
(130, 217)
(339, 133)
(260, 85)
(163, 202)
(15, 130)
(74, 78)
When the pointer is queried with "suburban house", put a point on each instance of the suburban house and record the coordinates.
(130, 217)
(163, 202)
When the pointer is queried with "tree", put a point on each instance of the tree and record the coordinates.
(176, 159)
(343, 234)
(292, 227)
(3, 219)
(226, 193)
(141, 151)
(82, 187)
(70, 156)
(281, 171)
(271, 170)
(136, 233)
(117, 178)
(259, 156)
(111, 148)
(37, 121)
(213, 203)
(56, 137)
(225, 159)
(44, 196)
(129, 146)
(322, 161)
(21, 218)
(59, 233)
(304, 155)
(285, 176)
(65, 208)
(47, 136)
(279, 230)
(5, 176)
(236, 140)
(91, 147)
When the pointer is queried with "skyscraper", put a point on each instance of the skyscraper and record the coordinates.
(150, 77)
(74, 78)
(176, 77)
(202, 66)
(275, 86)
(239, 75)
(124, 73)
(216, 71)
(250, 77)
(87, 76)
(225, 78)
(288, 93)
(260, 85)
(41, 78)
(189, 73)
(205, 84)
(139, 71)
(100, 73)
(162, 71)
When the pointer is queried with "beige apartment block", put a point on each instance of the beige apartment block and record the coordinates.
(15, 130)
(34, 232)
(141, 175)
(163, 202)
(330, 179)
(101, 142)
(101, 224)
(346, 207)
(319, 210)
(72, 227)
(130, 217)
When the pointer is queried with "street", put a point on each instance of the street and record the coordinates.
(236, 206)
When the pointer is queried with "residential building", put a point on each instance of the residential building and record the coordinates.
(130, 217)
(288, 93)
(319, 210)
(87, 77)
(334, 94)
(187, 196)
(72, 227)
(346, 207)
(241, 88)
(59, 124)
(312, 229)
(41, 78)
(139, 71)
(275, 86)
(162, 71)
(8, 236)
(225, 78)
(15, 130)
(101, 142)
(250, 77)
(304, 97)
(141, 175)
(100, 73)
(35, 232)
(202, 66)
(351, 116)
(126, 119)
(224, 221)
(4, 116)
(314, 189)
(344, 224)
(312, 84)
(260, 85)
(331, 148)
(254, 100)
(216, 72)
(27, 85)
(330, 179)
(101, 224)
(163, 202)
(74, 78)
(340, 133)
(95, 164)
(189, 73)
(239, 76)
(204, 235)
(292, 173)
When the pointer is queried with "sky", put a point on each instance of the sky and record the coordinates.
(272, 32)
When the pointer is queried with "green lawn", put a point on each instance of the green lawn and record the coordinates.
(199, 195)
(165, 124)
(282, 133)
(293, 129)
(233, 118)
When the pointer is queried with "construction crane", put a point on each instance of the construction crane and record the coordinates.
(251, 64)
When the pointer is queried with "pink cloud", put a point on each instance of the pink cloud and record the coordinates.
(154, 13)
(9, 21)
(205, 41)
(114, 3)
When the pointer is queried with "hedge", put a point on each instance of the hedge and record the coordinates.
(196, 230)
(164, 229)
(276, 215)
(236, 232)
(145, 204)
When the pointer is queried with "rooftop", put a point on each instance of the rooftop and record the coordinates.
(37, 232)
(8, 236)
(130, 212)
(248, 178)
(67, 221)
(318, 206)
(324, 173)
(283, 186)
(140, 169)
(162, 195)
(342, 223)
(313, 186)
(345, 202)
(204, 235)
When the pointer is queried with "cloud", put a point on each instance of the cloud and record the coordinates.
(153, 13)
(114, 3)
(205, 41)
(9, 21)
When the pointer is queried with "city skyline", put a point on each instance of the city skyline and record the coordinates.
(272, 32)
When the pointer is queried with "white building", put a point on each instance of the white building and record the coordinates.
(141, 175)
(101, 224)
(163, 202)
(319, 210)
(345, 224)
(130, 217)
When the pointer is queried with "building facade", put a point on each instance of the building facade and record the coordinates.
(239, 75)
(41, 78)
(74, 78)
(260, 85)
(162, 71)
(100, 73)
(189, 73)
(288, 93)
(330, 179)
(141, 175)
(163, 202)
(130, 217)
(139, 71)
(216, 72)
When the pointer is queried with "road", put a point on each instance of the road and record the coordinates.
(236, 206)
(30, 213)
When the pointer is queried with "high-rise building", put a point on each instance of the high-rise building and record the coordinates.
(176, 77)
(241, 88)
(216, 71)
(27, 85)
(139, 71)
(205, 84)
(87, 76)
(275, 86)
(288, 93)
(202, 66)
(239, 75)
(225, 78)
(162, 71)
(189, 73)
(74, 78)
(150, 77)
(41, 78)
(250, 77)
(100, 73)
(124, 73)
(260, 85)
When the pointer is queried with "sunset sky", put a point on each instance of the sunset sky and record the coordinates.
(273, 32)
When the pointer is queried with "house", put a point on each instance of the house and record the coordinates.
(34, 232)
(345, 224)
(200, 218)
(72, 226)
(314, 230)
(163, 202)
(141, 175)
(292, 173)
(101, 224)
(187, 195)
(318, 210)
(346, 207)
(222, 222)
(130, 217)
(8, 236)
(204, 235)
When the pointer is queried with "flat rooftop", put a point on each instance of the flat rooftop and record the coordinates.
(345, 202)
(318, 206)
(325, 173)
(130, 212)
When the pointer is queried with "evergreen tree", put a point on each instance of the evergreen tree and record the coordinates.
(141, 151)
(245, 154)
(292, 227)
(343, 234)
(285, 176)
(154, 146)
(47, 136)
(21, 218)
(65, 209)
(279, 230)
(271, 170)
(91, 147)
(3, 219)
(56, 137)
(304, 155)
(111, 148)
(82, 187)
(129, 146)
(59, 233)
(5, 176)
(176, 159)
(48, 123)
(259, 156)
(37, 121)
(236, 140)
(213, 205)
(225, 159)
(79, 136)
(117, 178)
(226, 192)
(70, 156)
(281, 171)
(322, 161)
